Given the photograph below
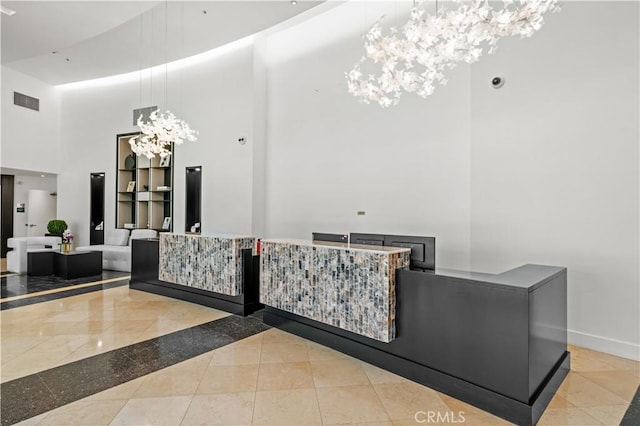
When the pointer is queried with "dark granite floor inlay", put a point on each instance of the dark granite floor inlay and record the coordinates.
(632, 416)
(18, 285)
(62, 294)
(38, 393)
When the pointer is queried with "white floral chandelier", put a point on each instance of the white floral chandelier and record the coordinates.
(415, 58)
(159, 133)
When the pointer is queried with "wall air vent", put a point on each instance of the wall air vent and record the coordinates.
(26, 101)
(145, 113)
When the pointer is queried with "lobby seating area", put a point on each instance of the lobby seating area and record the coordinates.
(116, 250)
(17, 258)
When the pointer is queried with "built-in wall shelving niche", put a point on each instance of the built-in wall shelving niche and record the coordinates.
(144, 189)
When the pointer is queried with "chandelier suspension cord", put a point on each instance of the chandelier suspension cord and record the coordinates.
(166, 55)
(182, 56)
(153, 22)
(162, 130)
(366, 10)
(140, 56)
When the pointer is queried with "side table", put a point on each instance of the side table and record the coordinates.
(77, 264)
(40, 262)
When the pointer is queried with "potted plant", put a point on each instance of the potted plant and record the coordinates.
(56, 227)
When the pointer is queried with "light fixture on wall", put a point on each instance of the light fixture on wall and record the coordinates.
(416, 57)
(162, 129)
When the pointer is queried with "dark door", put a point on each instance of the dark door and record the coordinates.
(96, 222)
(7, 212)
(192, 200)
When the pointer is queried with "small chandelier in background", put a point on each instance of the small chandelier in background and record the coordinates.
(162, 129)
(159, 133)
(415, 58)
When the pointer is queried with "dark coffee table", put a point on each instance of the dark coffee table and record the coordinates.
(77, 264)
(40, 262)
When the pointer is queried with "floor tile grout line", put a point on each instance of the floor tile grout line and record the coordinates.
(579, 373)
(62, 289)
(589, 415)
(47, 386)
(315, 388)
(42, 375)
(255, 392)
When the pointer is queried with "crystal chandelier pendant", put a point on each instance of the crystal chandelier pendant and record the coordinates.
(159, 133)
(415, 58)
(162, 129)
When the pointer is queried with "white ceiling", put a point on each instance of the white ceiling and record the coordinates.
(100, 38)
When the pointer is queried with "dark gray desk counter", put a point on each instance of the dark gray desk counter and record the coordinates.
(527, 277)
(497, 341)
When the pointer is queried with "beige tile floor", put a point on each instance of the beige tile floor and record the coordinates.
(44, 335)
(273, 378)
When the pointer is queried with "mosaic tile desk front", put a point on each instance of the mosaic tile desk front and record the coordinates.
(346, 287)
(212, 263)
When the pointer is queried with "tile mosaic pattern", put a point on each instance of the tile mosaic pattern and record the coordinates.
(350, 289)
(212, 263)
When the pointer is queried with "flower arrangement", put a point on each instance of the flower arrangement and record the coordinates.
(67, 236)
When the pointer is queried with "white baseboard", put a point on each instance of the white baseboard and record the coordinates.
(603, 344)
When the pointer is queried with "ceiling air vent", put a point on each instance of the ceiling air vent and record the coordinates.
(26, 101)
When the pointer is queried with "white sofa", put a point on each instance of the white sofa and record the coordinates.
(116, 250)
(17, 258)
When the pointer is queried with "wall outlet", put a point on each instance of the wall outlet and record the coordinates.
(361, 212)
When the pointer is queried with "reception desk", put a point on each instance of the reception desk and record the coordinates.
(496, 341)
(213, 270)
(207, 262)
(351, 287)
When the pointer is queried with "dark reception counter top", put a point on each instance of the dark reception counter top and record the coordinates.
(526, 277)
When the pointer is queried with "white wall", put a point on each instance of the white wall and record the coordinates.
(22, 184)
(30, 139)
(329, 156)
(215, 97)
(544, 170)
(259, 142)
(554, 164)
